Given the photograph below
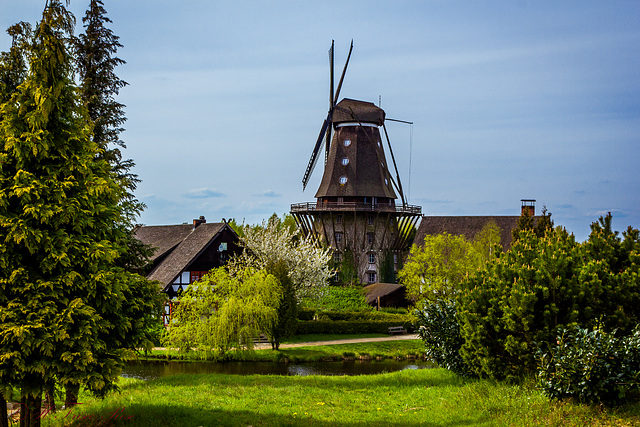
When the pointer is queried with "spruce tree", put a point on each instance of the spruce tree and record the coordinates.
(96, 62)
(13, 64)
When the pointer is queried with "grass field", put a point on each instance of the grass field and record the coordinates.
(431, 397)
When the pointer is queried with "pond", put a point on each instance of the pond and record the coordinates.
(150, 369)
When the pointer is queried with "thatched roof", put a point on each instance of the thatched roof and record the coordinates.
(180, 254)
(467, 226)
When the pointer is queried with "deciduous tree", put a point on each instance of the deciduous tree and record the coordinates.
(271, 243)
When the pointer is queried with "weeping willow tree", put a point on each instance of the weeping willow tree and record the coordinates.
(223, 312)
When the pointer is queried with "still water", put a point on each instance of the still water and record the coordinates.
(156, 369)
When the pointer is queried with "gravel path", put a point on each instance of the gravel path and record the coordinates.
(349, 341)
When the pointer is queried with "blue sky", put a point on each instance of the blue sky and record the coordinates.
(509, 99)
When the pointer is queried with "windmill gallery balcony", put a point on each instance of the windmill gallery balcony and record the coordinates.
(355, 206)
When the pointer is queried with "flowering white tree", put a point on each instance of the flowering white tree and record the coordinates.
(273, 243)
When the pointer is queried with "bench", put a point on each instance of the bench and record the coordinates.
(262, 339)
(400, 330)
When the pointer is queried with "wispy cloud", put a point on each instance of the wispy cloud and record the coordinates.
(203, 193)
(269, 193)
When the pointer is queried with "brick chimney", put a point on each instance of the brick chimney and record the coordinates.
(197, 222)
(528, 205)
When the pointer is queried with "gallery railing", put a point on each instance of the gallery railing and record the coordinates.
(353, 206)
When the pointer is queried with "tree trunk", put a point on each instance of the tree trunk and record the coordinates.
(24, 412)
(30, 410)
(4, 419)
(49, 399)
(71, 395)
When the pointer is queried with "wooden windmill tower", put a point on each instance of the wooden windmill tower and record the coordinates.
(355, 212)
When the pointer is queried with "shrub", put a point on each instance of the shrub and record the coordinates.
(394, 310)
(306, 313)
(591, 366)
(340, 298)
(364, 315)
(439, 329)
(518, 302)
(543, 284)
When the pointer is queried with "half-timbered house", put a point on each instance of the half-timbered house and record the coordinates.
(186, 252)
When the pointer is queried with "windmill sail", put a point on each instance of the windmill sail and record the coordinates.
(325, 131)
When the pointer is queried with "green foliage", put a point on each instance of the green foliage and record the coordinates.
(347, 271)
(436, 268)
(486, 244)
(68, 313)
(610, 276)
(340, 298)
(13, 64)
(518, 302)
(591, 366)
(543, 284)
(287, 313)
(222, 312)
(540, 227)
(367, 314)
(272, 243)
(439, 329)
(387, 268)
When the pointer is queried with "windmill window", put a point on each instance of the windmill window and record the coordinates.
(343, 180)
(370, 219)
(339, 216)
(338, 237)
(372, 258)
(372, 277)
(379, 145)
(386, 181)
(347, 142)
(370, 238)
(337, 257)
(345, 161)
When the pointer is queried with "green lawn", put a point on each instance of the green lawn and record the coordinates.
(430, 397)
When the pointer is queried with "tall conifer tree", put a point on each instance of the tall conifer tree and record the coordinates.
(96, 62)
(68, 314)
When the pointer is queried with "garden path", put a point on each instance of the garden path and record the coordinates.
(347, 341)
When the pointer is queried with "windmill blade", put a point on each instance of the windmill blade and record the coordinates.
(394, 165)
(325, 131)
(314, 155)
(327, 145)
(344, 71)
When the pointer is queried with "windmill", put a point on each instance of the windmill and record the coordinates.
(355, 212)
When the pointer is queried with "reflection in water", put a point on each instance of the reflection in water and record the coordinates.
(156, 369)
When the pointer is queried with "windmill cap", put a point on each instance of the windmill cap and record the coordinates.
(350, 110)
